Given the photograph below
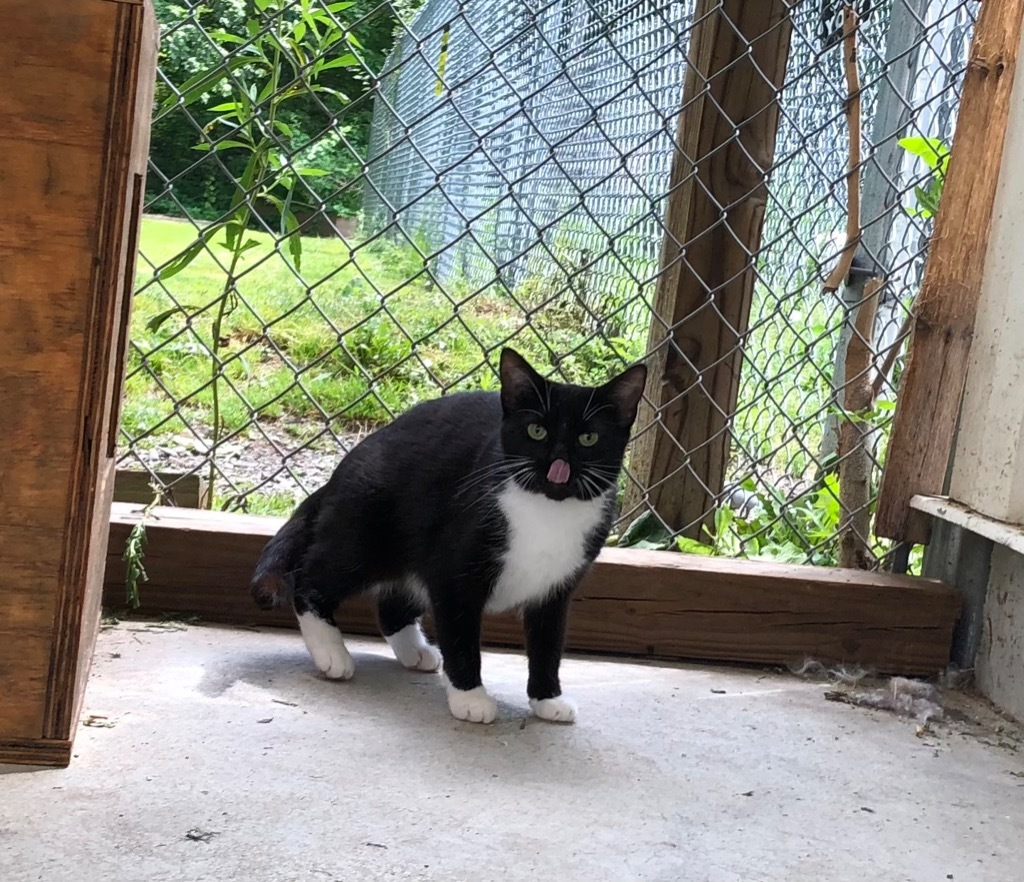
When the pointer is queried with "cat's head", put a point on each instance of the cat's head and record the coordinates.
(566, 441)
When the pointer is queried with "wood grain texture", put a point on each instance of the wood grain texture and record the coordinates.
(932, 384)
(837, 278)
(638, 603)
(70, 139)
(125, 150)
(181, 491)
(26, 624)
(725, 143)
(855, 437)
(24, 667)
(35, 752)
(52, 184)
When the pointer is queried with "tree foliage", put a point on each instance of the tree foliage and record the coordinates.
(329, 130)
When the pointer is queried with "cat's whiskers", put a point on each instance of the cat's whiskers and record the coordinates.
(590, 400)
(604, 471)
(482, 481)
(591, 414)
(540, 397)
(590, 485)
(526, 471)
(487, 494)
(492, 497)
(492, 470)
(531, 479)
(489, 467)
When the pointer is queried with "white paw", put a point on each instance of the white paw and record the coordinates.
(557, 710)
(412, 650)
(326, 646)
(472, 705)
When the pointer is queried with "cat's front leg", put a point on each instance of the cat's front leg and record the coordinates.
(545, 639)
(458, 619)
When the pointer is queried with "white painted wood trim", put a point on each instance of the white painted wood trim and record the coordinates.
(1008, 535)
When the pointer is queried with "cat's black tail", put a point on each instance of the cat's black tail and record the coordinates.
(273, 582)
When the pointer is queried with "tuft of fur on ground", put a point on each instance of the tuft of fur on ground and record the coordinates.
(915, 699)
(842, 675)
(919, 700)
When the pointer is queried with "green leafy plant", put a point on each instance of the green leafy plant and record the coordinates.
(778, 528)
(202, 189)
(281, 57)
(134, 570)
(135, 550)
(934, 152)
(331, 154)
(647, 531)
(773, 528)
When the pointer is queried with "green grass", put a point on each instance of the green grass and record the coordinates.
(358, 335)
(354, 335)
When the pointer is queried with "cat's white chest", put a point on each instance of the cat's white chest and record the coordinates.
(547, 544)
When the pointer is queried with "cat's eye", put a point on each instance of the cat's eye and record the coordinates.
(536, 431)
(588, 439)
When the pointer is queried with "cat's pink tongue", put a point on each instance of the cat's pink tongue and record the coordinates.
(559, 472)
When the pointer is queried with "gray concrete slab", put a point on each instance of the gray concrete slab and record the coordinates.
(672, 773)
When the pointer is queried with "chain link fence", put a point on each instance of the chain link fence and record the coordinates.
(353, 206)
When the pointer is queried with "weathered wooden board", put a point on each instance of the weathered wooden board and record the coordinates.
(640, 603)
(944, 314)
(725, 143)
(78, 78)
(182, 491)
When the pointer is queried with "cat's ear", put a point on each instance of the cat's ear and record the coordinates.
(521, 385)
(624, 392)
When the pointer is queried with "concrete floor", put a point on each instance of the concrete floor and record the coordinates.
(672, 773)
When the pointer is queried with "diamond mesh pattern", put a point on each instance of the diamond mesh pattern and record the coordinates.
(506, 167)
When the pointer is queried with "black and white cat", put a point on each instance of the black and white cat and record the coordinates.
(472, 503)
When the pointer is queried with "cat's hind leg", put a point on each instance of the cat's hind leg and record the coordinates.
(399, 609)
(325, 644)
(317, 595)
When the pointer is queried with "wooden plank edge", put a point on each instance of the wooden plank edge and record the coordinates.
(260, 529)
(41, 752)
(641, 603)
(181, 489)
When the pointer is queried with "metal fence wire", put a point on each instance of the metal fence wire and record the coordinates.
(353, 206)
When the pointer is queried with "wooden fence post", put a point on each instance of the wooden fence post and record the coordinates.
(725, 143)
(933, 382)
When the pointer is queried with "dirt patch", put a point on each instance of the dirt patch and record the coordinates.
(265, 470)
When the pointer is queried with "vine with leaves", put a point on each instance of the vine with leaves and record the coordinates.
(285, 50)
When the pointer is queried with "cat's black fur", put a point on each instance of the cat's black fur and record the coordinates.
(420, 497)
